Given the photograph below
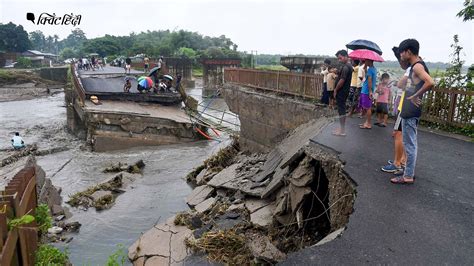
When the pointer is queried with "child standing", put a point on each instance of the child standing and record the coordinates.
(383, 91)
(127, 85)
(331, 85)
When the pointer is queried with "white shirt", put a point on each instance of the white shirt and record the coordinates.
(361, 75)
(325, 72)
(17, 141)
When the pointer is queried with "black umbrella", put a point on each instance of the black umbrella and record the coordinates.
(152, 71)
(364, 44)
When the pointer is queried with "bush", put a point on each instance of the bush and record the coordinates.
(49, 255)
(117, 258)
(43, 219)
(24, 62)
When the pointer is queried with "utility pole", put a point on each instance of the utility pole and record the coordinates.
(254, 59)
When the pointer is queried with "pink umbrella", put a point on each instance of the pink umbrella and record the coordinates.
(366, 54)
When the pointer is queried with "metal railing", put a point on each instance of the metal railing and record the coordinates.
(443, 106)
(308, 86)
(18, 245)
(78, 84)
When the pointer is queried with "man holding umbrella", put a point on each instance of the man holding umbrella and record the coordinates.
(342, 89)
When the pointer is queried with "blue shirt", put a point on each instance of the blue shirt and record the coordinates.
(371, 72)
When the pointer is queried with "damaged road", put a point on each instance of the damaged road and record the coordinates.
(287, 199)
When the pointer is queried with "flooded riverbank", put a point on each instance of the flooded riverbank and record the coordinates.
(160, 192)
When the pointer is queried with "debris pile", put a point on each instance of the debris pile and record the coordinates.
(263, 206)
(102, 196)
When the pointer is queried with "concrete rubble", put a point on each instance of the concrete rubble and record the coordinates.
(102, 196)
(276, 203)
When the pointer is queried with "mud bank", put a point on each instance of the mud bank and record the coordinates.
(27, 91)
(258, 207)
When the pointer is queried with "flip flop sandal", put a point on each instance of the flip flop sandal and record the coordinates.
(402, 181)
(363, 127)
(338, 134)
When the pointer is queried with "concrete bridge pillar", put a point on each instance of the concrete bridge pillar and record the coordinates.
(213, 74)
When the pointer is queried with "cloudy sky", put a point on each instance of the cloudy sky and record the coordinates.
(284, 27)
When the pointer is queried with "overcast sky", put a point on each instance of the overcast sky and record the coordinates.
(284, 27)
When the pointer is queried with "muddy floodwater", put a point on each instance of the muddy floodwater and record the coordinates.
(156, 195)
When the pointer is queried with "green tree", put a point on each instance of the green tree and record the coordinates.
(186, 52)
(467, 13)
(37, 40)
(75, 39)
(13, 38)
(68, 53)
(453, 77)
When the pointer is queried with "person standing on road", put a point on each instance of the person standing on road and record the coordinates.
(355, 89)
(128, 65)
(325, 72)
(342, 90)
(146, 61)
(366, 94)
(420, 82)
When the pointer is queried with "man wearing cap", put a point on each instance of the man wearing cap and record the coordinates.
(342, 89)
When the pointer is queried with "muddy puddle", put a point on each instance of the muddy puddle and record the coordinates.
(158, 194)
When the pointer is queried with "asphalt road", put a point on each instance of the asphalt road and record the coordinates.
(430, 222)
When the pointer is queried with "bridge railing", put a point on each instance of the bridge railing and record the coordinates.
(78, 84)
(307, 86)
(449, 107)
(443, 106)
(18, 245)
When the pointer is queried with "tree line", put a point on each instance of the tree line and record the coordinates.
(182, 43)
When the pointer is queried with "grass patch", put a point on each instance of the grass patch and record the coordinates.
(48, 255)
(198, 72)
(224, 157)
(271, 67)
(22, 76)
(465, 131)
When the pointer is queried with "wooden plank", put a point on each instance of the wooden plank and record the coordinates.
(26, 197)
(9, 248)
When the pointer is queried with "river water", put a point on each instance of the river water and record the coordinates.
(153, 197)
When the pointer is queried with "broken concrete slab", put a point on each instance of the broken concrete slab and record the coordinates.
(178, 248)
(273, 160)
(263, 249)
(234, 207)
(254, 205)
(224, 176)
(205, 205)
(153, 242)
(139, 262)
(199, 194)
(200, 177)
(331, 236)
(57, 210)
(99, 194)
(276, 183)
(157, 260)
(303, 174)
(297, 195)
(263, 216)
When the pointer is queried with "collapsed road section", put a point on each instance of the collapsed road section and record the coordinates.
(256, 207)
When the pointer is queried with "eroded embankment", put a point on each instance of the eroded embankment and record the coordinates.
(256, 207)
